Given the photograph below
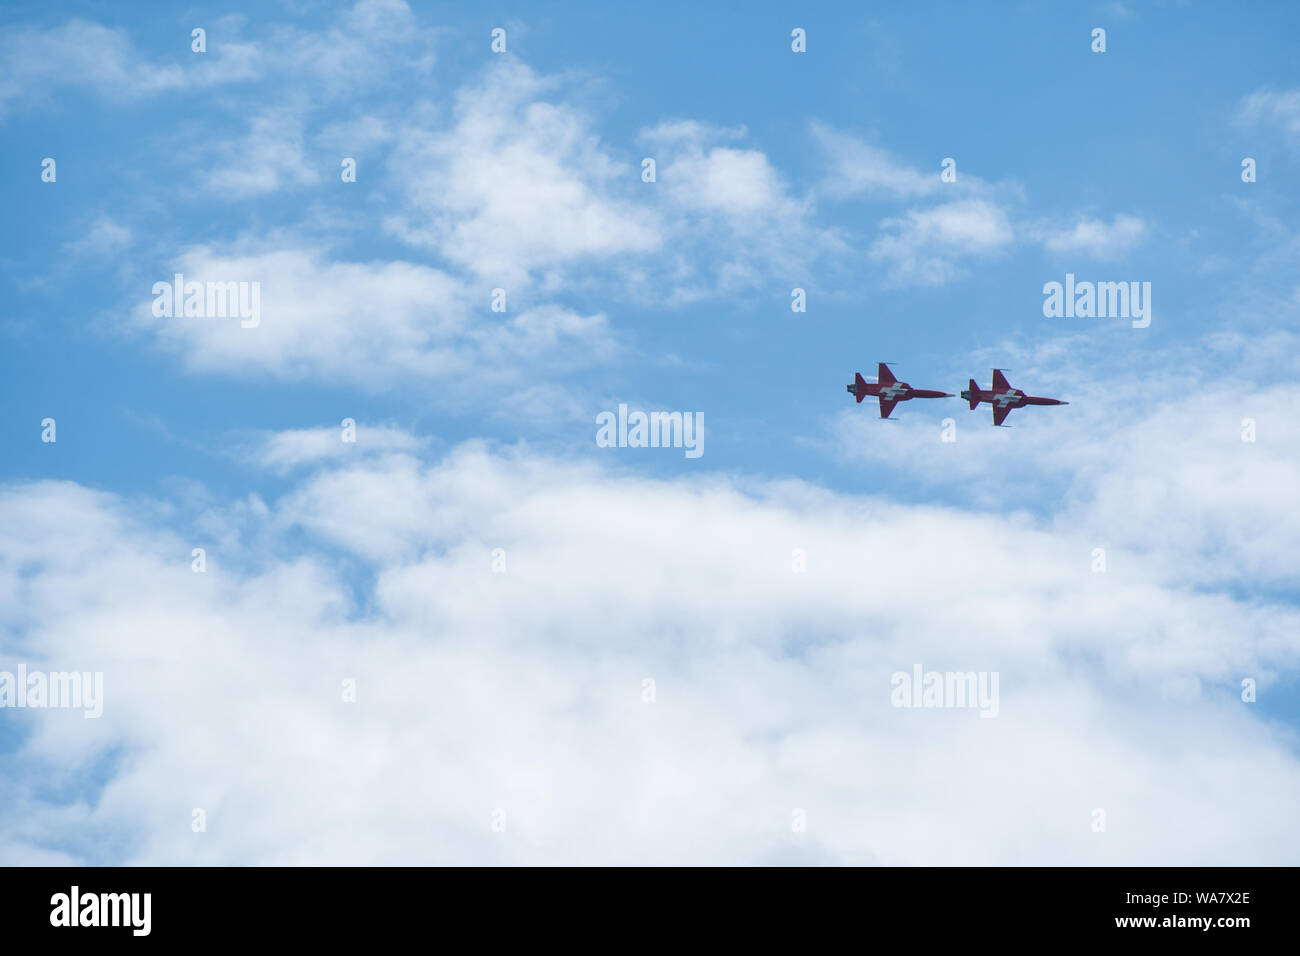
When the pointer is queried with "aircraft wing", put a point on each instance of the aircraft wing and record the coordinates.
(887, 406)
(1000, 413)
(1000, 383)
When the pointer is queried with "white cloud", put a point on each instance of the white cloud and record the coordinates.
(511, 186)
(517, 184)
(1278, 108)
(1094, 237)
(374, 324)
(857, 168)
(105, 237)
(35, 62)
(282, 451)
(373, 41)
(523, 690)
(519, 191)
(735, 182)
(268, 157)
(729, 207)
(690, 132)
(929, 246)
(1148, 458)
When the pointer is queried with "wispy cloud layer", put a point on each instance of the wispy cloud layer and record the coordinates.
(614, 696)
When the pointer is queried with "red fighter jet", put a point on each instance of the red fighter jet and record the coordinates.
(889, 390)
(1003, 397)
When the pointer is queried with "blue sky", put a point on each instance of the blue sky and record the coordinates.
(1146, 129)
(776, 170)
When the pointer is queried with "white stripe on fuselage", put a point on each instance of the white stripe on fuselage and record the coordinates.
(893, 392)
(1003, 399)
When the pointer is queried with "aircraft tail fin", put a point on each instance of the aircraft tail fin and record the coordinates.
(859, 386)
(974, 394)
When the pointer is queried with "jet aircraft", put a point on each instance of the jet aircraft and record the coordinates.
(1003, 397)
(889, 390)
